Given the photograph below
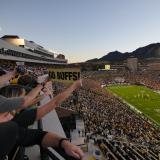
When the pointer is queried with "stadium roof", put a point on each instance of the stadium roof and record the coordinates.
(10, 36)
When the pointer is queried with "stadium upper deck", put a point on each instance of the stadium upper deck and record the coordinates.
(14, 48)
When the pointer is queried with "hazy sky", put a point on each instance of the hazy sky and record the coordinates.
(83, 29)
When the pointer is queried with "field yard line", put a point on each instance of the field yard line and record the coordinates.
(138, 111)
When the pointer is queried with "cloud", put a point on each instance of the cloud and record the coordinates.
(0, 28)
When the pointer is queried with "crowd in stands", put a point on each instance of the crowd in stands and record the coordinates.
(120, 132)
(121, 151)
(149, 79)
(105, 115)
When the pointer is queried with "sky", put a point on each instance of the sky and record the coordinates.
(83, 29)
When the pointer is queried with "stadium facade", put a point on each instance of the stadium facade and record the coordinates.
(13, 48)
(131, 64)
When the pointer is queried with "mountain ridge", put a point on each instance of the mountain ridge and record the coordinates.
(148, 51)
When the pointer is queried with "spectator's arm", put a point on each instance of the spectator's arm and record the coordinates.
(54, 140)
(29, 99)
(7, 77)
(42, 111)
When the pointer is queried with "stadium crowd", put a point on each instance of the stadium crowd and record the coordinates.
(120, 132)
(149, 79)
(106, 116)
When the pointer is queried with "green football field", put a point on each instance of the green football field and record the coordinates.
(142, 98)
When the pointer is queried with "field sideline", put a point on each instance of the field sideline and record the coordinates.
(142, 98)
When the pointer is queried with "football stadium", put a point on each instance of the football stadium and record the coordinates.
(79, 80)
(112, 113)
